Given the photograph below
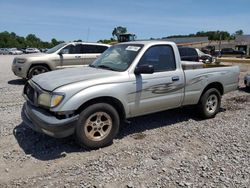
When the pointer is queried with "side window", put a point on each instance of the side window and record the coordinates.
(70, 49)
(101, 49)
(94, 49)
(78, 49)
(192, 52)
(73, 49)
(161, 57)
(182, 52)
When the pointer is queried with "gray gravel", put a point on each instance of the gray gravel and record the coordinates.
(168, 149)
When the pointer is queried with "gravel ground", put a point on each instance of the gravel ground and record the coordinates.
(168, 149)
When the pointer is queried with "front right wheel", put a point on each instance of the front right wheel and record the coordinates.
(97, 126)
(209, 103)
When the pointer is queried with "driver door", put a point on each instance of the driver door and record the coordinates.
(71, 56)
(164, 89)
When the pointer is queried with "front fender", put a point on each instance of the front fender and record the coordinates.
(114, 90)
(40, 62)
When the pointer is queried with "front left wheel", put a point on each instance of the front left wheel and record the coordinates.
(97, 126)
(37, 69)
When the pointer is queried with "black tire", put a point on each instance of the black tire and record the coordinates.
(103, 120)
(209, 103)
(37, 69)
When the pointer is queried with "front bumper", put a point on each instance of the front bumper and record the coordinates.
(19, 70)
(42, 121)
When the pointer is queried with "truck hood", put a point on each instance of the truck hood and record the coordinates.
(31, 55)
(51, 80)
(35, 56)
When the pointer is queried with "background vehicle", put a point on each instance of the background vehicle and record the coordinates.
(209, 50)
(43, 50)
(188, 54)
(231, 51)
(14, 51)
(205, 58)
(127, 80)
(61, 56)
(126, 37)
(31, 50)
(244, 48)
(247, 80)
(4, 51)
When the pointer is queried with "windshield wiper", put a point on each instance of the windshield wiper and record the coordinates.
(105, 67)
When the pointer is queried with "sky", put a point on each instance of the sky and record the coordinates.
(92, 20)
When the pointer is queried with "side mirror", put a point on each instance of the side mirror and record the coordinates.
(144, 69)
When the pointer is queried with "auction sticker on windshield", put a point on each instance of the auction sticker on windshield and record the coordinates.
(133, 48)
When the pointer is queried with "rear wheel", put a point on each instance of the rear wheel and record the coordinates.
(38, 69)
(209, 103)
(97, 126)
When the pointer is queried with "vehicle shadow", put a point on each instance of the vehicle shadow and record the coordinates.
(245, 89)
(157, 120)
(43, 147)
(17, 82)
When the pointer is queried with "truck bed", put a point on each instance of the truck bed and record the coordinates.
(198, 78)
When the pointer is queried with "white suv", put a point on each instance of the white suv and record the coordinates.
(31, 50)
(73, 54)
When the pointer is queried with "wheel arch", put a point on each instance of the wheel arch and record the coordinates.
(216, 85)
(38, 64)
(117, 104)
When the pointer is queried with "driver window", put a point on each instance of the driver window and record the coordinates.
(70, 49)
(161, 57)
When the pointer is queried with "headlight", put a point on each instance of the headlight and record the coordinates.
(44, 99)
(50, 100)
(21, 61)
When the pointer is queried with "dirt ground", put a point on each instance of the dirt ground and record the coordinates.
(168, 149)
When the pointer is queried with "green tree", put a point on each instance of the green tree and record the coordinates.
(9, 40)
(106, 41)
(212, 35)
(79, 40)
(54, 42)
(239, 32)
(33, 41)
(119, 30)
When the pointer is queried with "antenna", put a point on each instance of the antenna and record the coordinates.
(87, 35)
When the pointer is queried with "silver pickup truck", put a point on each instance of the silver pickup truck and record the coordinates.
(127, 80)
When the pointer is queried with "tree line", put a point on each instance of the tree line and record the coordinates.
(9, 40)
(212, 35)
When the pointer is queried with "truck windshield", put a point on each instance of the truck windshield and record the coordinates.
(54, 49)
(118, 57)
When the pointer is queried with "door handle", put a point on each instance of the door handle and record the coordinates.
(78, 57)
(175, 78)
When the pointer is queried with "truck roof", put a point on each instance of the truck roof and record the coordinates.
(146, 42)
(92, 43)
